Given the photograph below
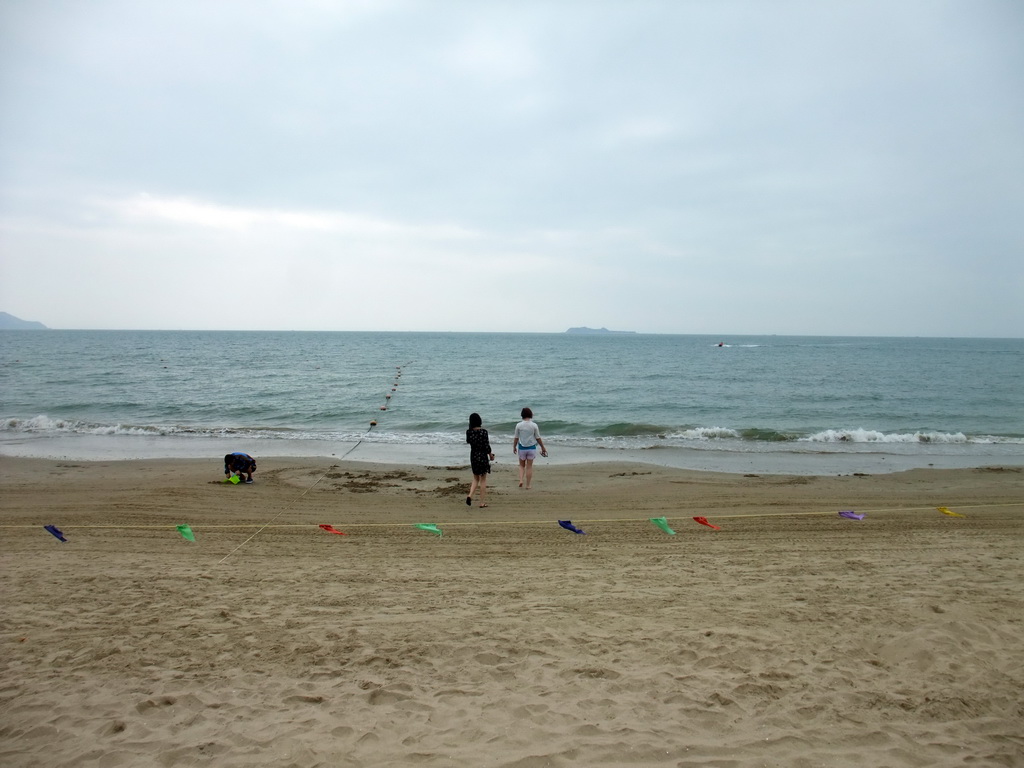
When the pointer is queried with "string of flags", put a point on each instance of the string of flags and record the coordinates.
(661, 522)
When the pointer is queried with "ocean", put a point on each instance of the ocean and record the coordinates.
(812, 405)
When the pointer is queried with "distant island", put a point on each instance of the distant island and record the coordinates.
(10, 322)
(584, 329)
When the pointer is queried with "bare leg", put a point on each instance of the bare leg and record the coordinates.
(472, 490)
(483, 490)
(529, 473)
(522, 468)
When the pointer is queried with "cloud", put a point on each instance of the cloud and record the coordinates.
(146, 208)
(493, 55)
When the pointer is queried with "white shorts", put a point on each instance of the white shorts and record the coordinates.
(528, 454)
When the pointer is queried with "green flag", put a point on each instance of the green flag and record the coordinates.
(429, 527)
(233, 479)
(662, 523)
(185, 531)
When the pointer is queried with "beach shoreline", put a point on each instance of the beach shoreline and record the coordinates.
(791, 459)
(789, 636)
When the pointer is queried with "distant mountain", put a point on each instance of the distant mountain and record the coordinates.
(584, 329)
(9, 322)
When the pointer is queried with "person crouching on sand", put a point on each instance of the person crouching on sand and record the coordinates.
(524, 444)
(480, 458)
(239, 464)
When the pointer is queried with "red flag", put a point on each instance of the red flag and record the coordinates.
(332, 529)
(704, 521)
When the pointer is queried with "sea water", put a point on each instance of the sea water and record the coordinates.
(767, 404)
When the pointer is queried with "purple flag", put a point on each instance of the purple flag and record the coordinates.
(849, 514)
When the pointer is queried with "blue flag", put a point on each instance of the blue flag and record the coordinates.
(567, 524)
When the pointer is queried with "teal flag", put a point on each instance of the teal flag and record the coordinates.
(662, 523)
(429, 527)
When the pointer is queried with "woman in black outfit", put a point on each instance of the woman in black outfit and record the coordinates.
(480, 458)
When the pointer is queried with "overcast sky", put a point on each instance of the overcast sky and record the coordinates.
(676, 166)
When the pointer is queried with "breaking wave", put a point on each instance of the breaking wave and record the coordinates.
(614, 435)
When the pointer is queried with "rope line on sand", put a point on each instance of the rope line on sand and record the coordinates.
(271, 524)
(267, 525)
(358, 442)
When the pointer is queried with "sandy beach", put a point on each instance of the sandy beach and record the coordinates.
(790, 637)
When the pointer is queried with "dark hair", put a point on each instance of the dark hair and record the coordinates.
(475, 420)
(527, 413)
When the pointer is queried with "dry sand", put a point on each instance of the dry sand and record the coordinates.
(791, 637)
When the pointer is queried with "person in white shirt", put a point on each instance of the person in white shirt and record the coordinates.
(524, 445)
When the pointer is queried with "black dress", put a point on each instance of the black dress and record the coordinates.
(479, 450)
